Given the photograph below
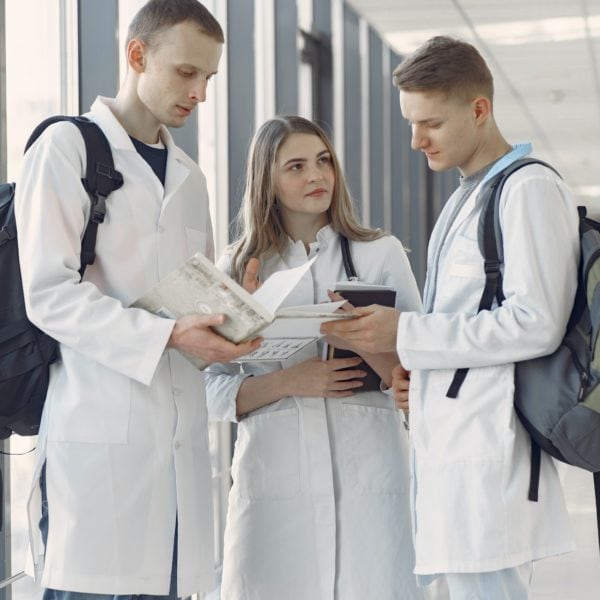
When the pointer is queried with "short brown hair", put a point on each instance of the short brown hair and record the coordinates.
(158, 15)
(448, 65)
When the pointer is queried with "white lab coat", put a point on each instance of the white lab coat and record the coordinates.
(471, 454)
(124, 428)
(319, 506)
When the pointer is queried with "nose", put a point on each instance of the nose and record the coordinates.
(198, 91)
(418, 140)
(315, 173)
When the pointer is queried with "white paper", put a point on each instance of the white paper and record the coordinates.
(302, 321)
(276, 288)
(276, 349)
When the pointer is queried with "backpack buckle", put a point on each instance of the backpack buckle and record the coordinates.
(105, 171)
(108, 179)
(491, 267)
(98, 209)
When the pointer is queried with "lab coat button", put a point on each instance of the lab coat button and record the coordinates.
(177, 391)
(161, 229)
(177, 445)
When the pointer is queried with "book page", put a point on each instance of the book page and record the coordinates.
(303, 321)
(276, 349)
(276, 288)
(198, 286)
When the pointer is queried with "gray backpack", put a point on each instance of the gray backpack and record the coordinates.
(557, 397)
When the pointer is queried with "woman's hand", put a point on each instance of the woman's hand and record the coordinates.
(324, 378)
(400, 385)
(250, 281)
(313, 377)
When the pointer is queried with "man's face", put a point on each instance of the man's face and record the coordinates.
(443, 128)
(177, 68)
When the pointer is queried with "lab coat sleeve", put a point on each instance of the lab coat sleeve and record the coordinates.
(541, 246)
(51, 209)
(223, 380)
(398, 274)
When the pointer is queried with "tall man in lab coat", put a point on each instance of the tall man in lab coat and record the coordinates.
(123, 435)
(473, 521)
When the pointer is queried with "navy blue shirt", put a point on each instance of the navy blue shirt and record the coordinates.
(155, 157)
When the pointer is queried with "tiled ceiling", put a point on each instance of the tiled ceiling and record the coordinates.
(545, 57)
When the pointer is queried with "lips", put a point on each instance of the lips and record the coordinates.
(184, 110)
(318, 192)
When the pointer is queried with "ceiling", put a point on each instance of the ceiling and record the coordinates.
(545, 58)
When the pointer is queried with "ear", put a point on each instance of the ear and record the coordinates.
(482, 109)
(136, 55)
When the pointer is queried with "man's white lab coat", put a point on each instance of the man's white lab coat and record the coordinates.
(123, 432)
(471, 453)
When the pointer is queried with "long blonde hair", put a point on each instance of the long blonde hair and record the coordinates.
(261, 232)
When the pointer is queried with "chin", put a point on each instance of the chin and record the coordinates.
(439, 166)
(176, 123)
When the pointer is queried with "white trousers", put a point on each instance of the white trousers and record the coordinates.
(507, 584)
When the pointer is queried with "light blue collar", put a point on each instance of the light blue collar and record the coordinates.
(518, 151)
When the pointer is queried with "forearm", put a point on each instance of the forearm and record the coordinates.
(260, 390)
(382, 363)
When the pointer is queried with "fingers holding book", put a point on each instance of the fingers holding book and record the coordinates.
(193, 335)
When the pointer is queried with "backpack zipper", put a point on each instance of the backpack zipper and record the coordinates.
(583, 376)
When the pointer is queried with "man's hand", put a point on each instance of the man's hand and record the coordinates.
(250, 280)
(374, 330)
(400, 385)
(194, 335)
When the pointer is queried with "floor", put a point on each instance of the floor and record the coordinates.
(574, 576)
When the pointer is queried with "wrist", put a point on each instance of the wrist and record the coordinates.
(173, 337)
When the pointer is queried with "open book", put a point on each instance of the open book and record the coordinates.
(198, 286)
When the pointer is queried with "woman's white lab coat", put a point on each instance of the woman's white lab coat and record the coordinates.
(319, 506)
(472, 455)
(124, 431)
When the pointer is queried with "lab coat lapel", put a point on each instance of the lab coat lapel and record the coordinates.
(177, 169)
(453, 215)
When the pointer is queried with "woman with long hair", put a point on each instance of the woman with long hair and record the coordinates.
(319, 507)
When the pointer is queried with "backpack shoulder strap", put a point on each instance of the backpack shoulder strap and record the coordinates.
(100, 180)
(490, 244)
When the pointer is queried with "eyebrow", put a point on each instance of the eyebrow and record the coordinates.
(424, 121)
(194, 68)
(303, 160)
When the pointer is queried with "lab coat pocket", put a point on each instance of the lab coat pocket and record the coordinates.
(196, 240)
(462, 276)
(94, 408)
(375, 450)
(266, 464)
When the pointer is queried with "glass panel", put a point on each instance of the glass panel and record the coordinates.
(38, 84)
(33, 71)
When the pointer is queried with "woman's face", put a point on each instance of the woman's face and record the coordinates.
(303, 177)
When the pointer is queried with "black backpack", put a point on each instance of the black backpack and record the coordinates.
(26, 352)
(557, 397)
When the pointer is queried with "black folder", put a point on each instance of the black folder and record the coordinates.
(359, 294)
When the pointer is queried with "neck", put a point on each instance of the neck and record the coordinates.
(304, 228)
(491, 148)
(135, 118)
